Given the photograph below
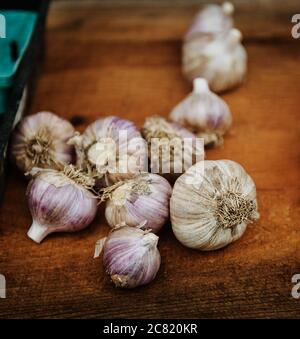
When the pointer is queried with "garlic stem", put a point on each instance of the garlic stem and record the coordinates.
(150, 240)
(37, 232)
(235, 37)
(228, 8)
(200, 85)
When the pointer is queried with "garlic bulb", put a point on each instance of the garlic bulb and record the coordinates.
(204, 113)
(59, 201)
(213, 19)
(40, 140)
(211, 204)
(131, 257)
(111, 149)
(171, 147)
(221, 60)
(144, 198)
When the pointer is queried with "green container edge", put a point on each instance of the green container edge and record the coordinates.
(28, 20)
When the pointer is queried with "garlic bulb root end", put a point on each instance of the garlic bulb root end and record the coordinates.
(37, 232)
(233, 209)
(78, 176)
(120, 280)
(211, 139)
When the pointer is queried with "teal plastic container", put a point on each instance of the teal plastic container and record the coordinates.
(19, 28)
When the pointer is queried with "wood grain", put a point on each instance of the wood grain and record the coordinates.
(126, 61)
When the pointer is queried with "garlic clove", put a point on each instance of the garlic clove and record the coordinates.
(211, 204)
(204, 113)
(60, 201)
(40, 140)
(144, 199)
(131, 257)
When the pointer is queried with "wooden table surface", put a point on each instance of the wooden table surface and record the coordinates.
(125, 61)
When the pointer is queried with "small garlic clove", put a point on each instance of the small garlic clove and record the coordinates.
(211, 204)
(144, 199)
(204, 113)
(111, 149)
(40, 140)
(59, 201)
(131, 257)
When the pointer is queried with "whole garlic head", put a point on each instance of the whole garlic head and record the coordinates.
(221, 60)
(131, 257)
(167, 143)
(142, 199)
(40, 140)
(59, 201)
(110, 150)
(212, 19)
(212, 203)
(204, 113)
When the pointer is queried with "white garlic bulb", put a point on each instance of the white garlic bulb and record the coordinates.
(221, 60)
(212, 203)
(40, 140)
(212, 19)
(131, 257)
(111, 149)
(144, 198)
(204, 113)
(171, 147)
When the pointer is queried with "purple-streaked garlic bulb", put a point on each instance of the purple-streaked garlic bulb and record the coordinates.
(60, 201)
(221, 60)
(111, 149)
(40, 140)
(131, 257)
(172, 148)
(144, 198)
(212, 19)
(204, 113)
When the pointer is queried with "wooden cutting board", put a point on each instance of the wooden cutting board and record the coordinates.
(126, 61)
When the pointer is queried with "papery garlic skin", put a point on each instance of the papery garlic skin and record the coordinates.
(131, 257)
(211, 208)
(59, 203)
(144, 198)
(40, 140)
(106, 156)
(221, 60)
(204, 113)
(212, 19)
(166, 145)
